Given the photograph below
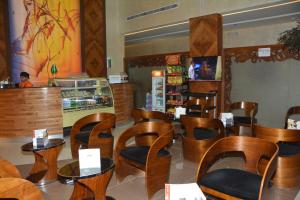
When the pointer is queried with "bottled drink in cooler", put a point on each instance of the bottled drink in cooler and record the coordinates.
(148, 101)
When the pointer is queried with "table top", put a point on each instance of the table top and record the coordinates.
(72, 170)
(51, 144)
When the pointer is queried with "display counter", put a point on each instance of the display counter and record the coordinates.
(123, 100)
(25, 110)
(84, 96)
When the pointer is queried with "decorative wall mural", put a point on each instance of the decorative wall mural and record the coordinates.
(43, 33)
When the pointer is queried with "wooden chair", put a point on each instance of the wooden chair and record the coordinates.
(93, 131)
(201, 133)
(288, 168)
(291, 111)
(231, 183)
(13, 186)
(200, 107)
(248, 119)
(154, 160)
(17, 188)
(141, 115)
(9, 170)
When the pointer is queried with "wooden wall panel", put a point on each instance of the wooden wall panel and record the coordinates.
(25, 110)
(206, 35)
(123, 101)
(4, 64)
(93, 37)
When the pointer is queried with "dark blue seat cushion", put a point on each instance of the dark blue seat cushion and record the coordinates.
(194, 114)
(205, 133)
(83, 136)
(288, 149)
(139, 153)
(89, 127)
(194, 107)
(243, 120)
(235, 182)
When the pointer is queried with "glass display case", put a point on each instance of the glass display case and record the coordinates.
(84, 96)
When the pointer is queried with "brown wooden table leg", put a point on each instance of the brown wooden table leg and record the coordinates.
(95, 186)
(46, 160)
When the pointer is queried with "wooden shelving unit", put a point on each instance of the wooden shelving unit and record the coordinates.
(175, 83)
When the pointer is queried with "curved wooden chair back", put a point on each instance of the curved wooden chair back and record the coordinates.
(194, 149)
(140, 115)
(203, 104)
(104, 126)
(288, 169)
(250, 108)
(8, 170)
(17, 188)
(156, 167)
(254, 150)
(96, 117)
(107, 120)
(276, 134)
(163, 130)
(190, 123)
(291, 111)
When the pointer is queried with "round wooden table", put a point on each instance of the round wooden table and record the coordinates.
(87, 180)
(44, 169)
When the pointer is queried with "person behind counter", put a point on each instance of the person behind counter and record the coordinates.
(25, 83)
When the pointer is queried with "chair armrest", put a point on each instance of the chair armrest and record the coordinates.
(269, 172)
(161, 142)
(124, 137)
(104, 126)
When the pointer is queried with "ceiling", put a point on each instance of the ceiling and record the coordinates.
(253, 16)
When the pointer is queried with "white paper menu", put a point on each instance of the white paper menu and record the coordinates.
(40, 137)
(89, 161)
(188, 191)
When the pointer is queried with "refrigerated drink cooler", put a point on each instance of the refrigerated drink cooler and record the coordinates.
(158, 90)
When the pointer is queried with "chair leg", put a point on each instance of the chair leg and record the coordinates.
(157, 175)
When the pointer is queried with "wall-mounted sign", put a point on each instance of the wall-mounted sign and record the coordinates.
(173, 60)
(264, 52)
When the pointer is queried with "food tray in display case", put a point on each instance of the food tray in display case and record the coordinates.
(84, 96)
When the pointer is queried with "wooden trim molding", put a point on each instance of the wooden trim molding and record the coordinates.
(150, 60)
(243, 54)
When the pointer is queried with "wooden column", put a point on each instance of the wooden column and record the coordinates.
(93, 37)
(123, 101)
(4, 64)
(206, 36)
(206, 39)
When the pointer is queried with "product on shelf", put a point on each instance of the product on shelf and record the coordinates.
(176, 77)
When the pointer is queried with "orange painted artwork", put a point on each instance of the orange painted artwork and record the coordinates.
(43, 33)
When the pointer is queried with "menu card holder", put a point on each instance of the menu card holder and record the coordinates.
(40, 138)
(293, 124)
(227, 119)
(89, 161)
(188, 191)
(179, 111)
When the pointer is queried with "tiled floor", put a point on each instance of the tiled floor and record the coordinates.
(133, 187)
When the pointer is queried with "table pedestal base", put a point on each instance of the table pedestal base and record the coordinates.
(44, 169)
(91, 187)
